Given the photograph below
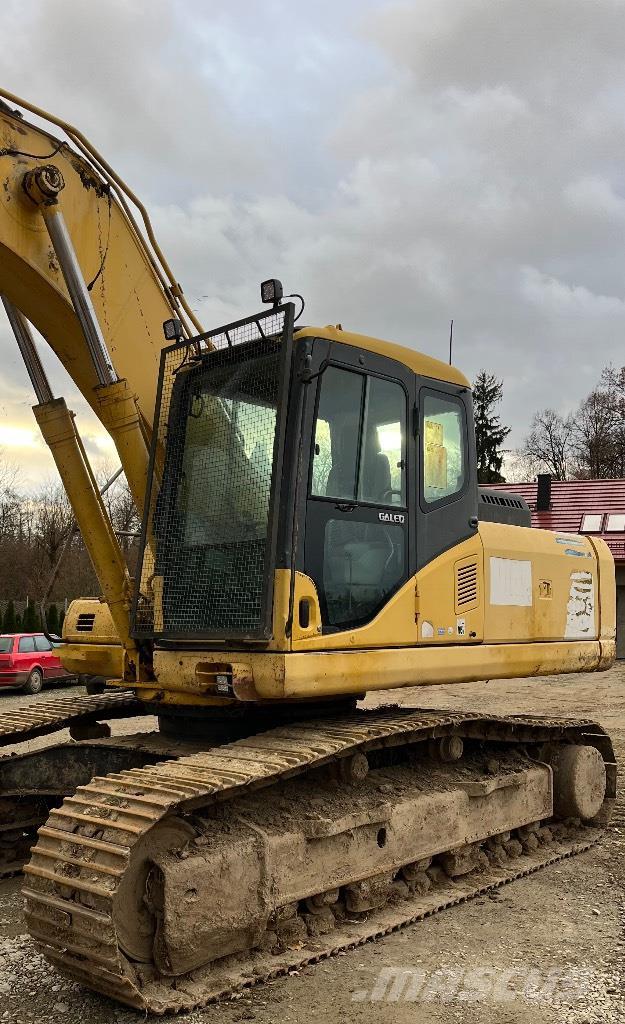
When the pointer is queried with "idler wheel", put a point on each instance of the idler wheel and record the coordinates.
(579, 781)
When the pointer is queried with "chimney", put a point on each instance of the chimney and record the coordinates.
(543, 493)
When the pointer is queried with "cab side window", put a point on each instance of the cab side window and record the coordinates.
(444, 444)
(337, 430)
(360, 438)
(382, 478)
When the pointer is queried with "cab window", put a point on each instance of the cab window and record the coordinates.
(443, 439)
(382, 479)
(360, 438)
(335, 453)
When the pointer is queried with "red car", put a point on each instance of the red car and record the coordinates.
(28, 660)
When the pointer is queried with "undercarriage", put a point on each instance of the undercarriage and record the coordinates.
(177, 874)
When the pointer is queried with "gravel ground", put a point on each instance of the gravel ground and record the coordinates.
(545, 949)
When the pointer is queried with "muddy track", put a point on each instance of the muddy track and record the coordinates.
(86, 847)
(51, 716)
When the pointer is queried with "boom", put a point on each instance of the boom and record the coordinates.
(130, 293)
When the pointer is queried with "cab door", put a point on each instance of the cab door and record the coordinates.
(361, 494)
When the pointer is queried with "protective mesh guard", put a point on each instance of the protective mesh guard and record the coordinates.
(208, 546)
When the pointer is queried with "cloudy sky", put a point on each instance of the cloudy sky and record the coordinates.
(398, 163)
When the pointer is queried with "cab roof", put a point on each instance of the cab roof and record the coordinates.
(424, 366)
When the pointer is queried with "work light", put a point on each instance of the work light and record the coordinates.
(172, 330)
(271, 291)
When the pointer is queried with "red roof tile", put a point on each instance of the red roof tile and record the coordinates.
(570, 499)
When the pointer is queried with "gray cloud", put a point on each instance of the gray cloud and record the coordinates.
(398, 163)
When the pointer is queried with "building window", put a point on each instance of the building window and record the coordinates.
(591, 522)
(616, 522)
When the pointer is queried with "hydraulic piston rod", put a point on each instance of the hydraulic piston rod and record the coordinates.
(26, 344)
(43, 185)
(117, 403)
(79, 293)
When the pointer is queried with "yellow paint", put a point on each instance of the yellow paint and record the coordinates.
(547, 554)
(424, 366)
(128, 298)
(119, 412)
(298, 676)
(607, 590)
(57, 426)
(391, 651)
(94, 659)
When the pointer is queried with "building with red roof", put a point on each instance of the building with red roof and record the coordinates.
(595, 507)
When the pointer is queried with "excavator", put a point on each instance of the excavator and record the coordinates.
(312, 531)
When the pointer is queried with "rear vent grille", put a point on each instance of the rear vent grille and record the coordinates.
(466, 586)
(85, 622)
(500, 499)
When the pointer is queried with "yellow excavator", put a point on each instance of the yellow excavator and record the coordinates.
(312, 530)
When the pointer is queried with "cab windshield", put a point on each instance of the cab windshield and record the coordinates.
(212, 541)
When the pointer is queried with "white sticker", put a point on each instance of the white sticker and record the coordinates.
(580, 611)
(427, 630)
(460, 627)
(511, 582)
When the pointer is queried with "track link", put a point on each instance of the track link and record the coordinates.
(87, 845)
(20, 817)
(53, 715)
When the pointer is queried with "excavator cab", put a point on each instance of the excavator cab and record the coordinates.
(316, 453)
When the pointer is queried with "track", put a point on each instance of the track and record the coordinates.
(52, 715)
(26, 803)
(93, 842)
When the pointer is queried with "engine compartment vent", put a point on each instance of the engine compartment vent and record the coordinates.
(84, 622)
(499, 507)
(466, 586)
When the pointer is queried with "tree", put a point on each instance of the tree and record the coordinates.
(593, 437)
(489, 431)
(9, 623)
(61, 621)
(52, 619)
(550, 442)
(30, 618)
(589, 443)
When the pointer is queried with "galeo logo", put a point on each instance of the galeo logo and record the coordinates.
(392, 517)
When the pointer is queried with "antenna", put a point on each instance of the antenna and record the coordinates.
(451, 338)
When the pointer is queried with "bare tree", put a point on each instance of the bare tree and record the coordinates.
(9, 497)
(613, 384)
(550, 443)
(594, 437)
(590, 443)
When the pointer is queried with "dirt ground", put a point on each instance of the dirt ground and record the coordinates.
(545, 949)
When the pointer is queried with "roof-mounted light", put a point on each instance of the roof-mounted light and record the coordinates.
(271, 291)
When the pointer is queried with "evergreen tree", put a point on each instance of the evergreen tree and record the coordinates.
(30, 618)
(489, 430)
(61, 621)
(52, 619)
(18, 623)
(9, 623)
